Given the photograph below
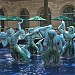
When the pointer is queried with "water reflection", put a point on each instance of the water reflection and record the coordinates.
(8, 66)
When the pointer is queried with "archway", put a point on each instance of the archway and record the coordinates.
(2, 22)
(69, 12)
(25, 15)
(42, 15)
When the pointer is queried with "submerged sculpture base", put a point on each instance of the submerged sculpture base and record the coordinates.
(51, 64)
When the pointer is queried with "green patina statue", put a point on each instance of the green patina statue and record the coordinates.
(53, 53)
(68, 35)
(11, 38)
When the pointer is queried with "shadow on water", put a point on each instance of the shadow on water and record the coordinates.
(8, 66)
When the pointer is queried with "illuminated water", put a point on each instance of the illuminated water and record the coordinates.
(10, 67)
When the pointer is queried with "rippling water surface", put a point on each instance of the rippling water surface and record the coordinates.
(10, 67)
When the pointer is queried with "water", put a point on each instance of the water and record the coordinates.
(8, 66)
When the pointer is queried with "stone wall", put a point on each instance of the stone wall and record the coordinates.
(13, 8)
